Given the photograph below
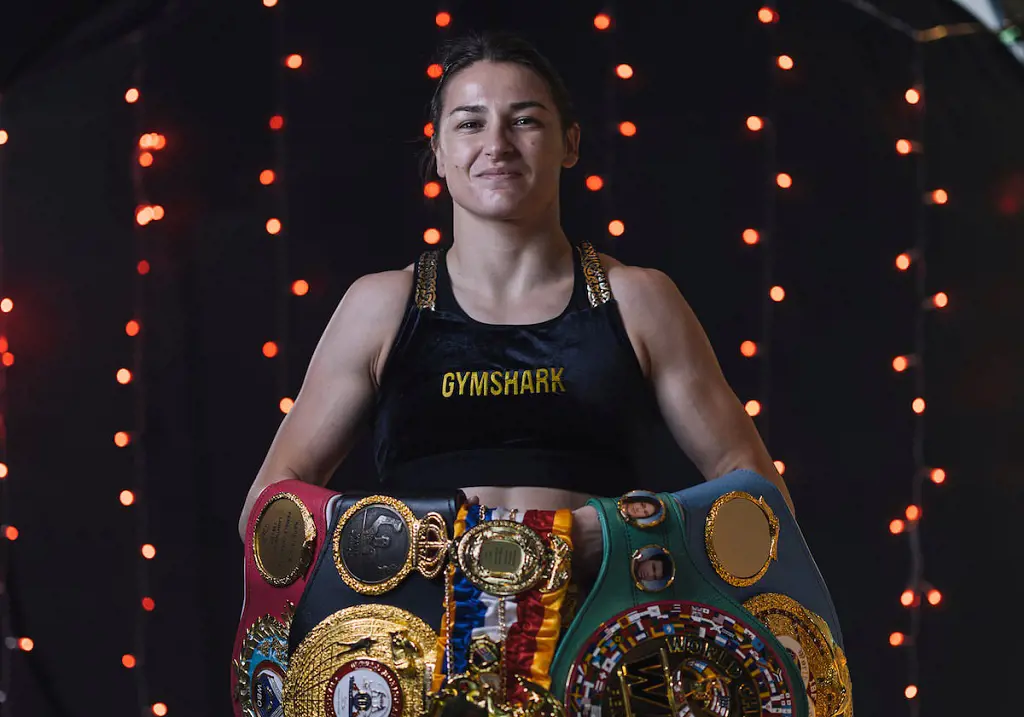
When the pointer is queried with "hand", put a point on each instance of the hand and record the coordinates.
(587, 543)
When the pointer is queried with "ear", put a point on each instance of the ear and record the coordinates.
(435, 147)
(572, 146)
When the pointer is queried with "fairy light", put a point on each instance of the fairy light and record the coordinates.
(602, 21)
(443, 19)
(755, 124)
(627, 129)
(616, 228)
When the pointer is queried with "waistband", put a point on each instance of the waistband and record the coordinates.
(590, 472)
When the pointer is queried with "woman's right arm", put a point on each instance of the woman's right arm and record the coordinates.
(338, 390)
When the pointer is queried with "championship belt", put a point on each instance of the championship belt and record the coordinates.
(507, 581)
(364, 634)
(668, 629)
(285, 529)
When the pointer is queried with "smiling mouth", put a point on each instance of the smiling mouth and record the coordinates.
(501, 175)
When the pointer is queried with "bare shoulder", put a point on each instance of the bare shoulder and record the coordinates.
(636, 287)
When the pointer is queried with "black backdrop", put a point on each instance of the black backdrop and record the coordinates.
(686, 186)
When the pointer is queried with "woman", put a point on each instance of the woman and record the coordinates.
(515, 364)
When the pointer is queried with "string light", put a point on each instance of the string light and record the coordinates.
(270, 349)
(594, 183)
(896, 639)
(432, 236)
(751, 237)
(293, 62)
(431, 190)
(752, 408)
(443, 19)
(627, 129)
(616, 228)
(300, 287)
(434, 71)
(286, 404)
(784, 180)
(624, 71)
(602, 22)
(748, 349)
(755, 124)
(785, 62)
(778, 294)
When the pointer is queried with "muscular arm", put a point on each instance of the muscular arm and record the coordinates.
(338, 389)
(701, 410)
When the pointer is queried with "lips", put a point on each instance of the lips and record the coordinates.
(500, 174)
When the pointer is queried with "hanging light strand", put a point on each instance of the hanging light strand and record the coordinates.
(6, 514)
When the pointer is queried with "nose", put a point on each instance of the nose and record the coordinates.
(498, 143)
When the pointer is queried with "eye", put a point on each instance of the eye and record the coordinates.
(529, 120)
(465, 125)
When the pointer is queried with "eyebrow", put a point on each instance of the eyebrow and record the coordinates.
(516, 106)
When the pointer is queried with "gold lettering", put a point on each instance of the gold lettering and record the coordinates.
(528, 381)
(462, 382)
(512, 381)
(478, 384)
(556, 379)
(542, 380)
(496, 377)
(448, 385)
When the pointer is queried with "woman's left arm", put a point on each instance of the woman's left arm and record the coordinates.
(700, 408)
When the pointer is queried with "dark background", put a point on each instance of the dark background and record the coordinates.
(686, 186)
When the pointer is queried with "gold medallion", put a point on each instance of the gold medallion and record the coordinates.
(378, 542)
(261, 666)
(283, 539)
(741, 536)
(502, 557)
(809, 642)
(364, 660)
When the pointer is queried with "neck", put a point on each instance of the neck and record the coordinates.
(505, 260)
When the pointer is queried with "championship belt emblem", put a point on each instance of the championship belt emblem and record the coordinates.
(362, 661)
(260, 669)
(678, 658)
(378, 542)
(809, 642)
(283, 539)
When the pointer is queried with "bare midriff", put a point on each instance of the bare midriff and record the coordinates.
(526, 498)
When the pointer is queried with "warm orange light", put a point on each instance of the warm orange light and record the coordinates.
(624, 71)
(7, 358)
(126, 498)
(11, 533)
(142, 267)
(6, 306)
(3, 136)
(934, 597)
(293, 62)
(267, 177)
(907, 598)
(918, 405)
(910, 692)
(148, 551)
(132, 328)
(148, 604)
(122, 439)
(432, 236)
(428, 129)
(123, 376)
(913, 513)
(273, 226)
(767, 15)
(628, 129)
(160, 709)
(269, 3)
(158, 212)
(270, 349)
(780, 467)
(785, 62)
(144, 215)
(286, 404)
(131, 96)
(900, 364)
(616, 228)
(784, 180)
(434, 71)
(896, 639)
(159, 141)
(777, 293)
(300, 287)
(3, 343)
(748, 349)
(147, 141)
(938, 476)
(903, 262)
(752, 408)
(146, 159)
(594, 183)
(432, 190)
(3, 471)
(443, 19)
(128, 661)
(25, 644)
(940, 196)
(276, 122)
(602, 22)
(903, 146)
(751, 236)
(896, 526)
(755, 124)
(940, 300)
(912, 96)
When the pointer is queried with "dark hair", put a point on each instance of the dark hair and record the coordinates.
(468, 49)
